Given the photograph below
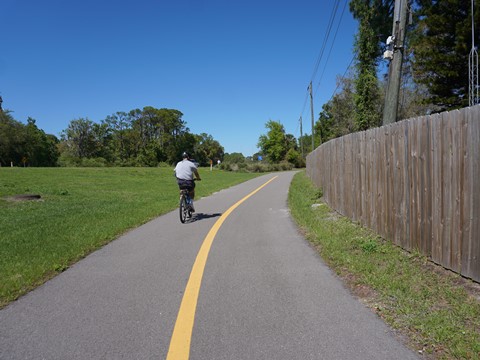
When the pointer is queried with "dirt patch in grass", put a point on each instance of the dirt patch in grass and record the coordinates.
(23, 197)
(471, 287)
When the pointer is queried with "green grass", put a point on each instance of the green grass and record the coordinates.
(81, 209)
(428, 305)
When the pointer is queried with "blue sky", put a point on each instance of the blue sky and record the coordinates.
(228, 66)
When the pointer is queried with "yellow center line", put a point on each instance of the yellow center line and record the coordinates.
(182, 333)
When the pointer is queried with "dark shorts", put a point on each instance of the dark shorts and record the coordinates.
(186, 184)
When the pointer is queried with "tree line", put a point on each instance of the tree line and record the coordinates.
(140, 137)
(145, 137)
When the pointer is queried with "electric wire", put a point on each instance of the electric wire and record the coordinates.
(325, 40)
(343, 76)
(320, 56)
(338, 85)
(331, 47)
(322, 50)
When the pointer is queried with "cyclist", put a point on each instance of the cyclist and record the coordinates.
(184, 172)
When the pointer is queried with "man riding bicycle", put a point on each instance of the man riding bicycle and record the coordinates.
(184, 172)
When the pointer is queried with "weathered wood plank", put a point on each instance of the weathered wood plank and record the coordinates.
(437, 188)
(399, 188)
(475, 158)
(455, 190)
(405, 199)
(447, 176)
(471, 246)
(427, 187)
(412, 169)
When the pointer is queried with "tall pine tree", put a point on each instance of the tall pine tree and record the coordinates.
(441, 41)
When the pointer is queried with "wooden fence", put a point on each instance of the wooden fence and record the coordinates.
(415, 182)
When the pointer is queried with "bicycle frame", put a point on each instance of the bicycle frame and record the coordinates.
(184, 208)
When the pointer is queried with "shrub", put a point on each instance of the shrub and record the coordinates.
(94, 162)
(66, 160)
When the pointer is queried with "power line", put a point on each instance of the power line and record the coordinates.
(331, 46)
(325, 40)
(331, 22)
(343, 76)
(319, 58)
(334, 91)
(304, 104)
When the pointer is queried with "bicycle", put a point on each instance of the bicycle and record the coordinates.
(186, 203)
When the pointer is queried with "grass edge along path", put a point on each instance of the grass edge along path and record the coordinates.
(434, 311)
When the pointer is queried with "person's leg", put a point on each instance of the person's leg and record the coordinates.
(192, 196)
(192, 190)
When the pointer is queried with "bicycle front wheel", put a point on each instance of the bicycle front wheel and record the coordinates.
(183, 209)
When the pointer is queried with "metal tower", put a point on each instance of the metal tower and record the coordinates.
(473, 70)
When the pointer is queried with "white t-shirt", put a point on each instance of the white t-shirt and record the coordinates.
(185, 170)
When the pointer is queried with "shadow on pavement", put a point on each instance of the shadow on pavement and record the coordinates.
(202, 216)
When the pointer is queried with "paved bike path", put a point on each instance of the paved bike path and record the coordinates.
(265, 293)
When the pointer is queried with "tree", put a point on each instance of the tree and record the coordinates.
(373, 16)
(39, 149)
(207, 149)
(295, 158)
(103, 137)
(380, 18)
(414, 98)
(79, 138)
(25, 144)
(275, 144)
(185, 142)
(337, 117)
(234, 158)
(291, 142)
(156, 134)
(441, 41)
(175, 129)
(141, 137)
(10, 139)
(119, 126)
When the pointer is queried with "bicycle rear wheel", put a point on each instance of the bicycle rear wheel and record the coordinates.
(183, 209)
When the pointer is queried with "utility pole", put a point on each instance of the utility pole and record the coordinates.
(395, 50)
(301, 136)
(311, 110)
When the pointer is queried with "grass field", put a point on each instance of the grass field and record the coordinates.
(436, 310)
(80, 210)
